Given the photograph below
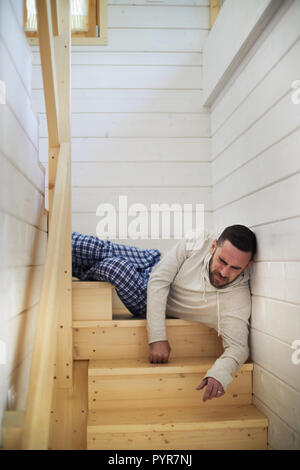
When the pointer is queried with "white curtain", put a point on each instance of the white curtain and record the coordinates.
(31, 23)
(79, 15)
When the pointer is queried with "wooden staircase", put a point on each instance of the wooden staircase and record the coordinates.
(133, 404)
(91, 384)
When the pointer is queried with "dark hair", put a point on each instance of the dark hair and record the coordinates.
(241, 237)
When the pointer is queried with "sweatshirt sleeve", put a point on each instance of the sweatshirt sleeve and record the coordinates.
(158, 289)
(234, 332)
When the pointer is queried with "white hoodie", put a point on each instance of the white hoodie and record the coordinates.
(179, 286)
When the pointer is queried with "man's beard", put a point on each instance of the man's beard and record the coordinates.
(221, 282)
(218, 282)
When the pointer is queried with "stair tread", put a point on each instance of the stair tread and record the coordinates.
(126, 321)
(143, 366)
(175, 418)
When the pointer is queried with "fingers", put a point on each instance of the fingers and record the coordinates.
(214, 391)
(157, 359)
(159, 352)
(214, 388)
(202, 384)
(160, 358)
(208, 391)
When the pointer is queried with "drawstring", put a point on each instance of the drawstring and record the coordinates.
(218, 309)
(205, 275)
(203, 295)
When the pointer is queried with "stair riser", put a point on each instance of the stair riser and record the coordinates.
(212, 439)
(131, 342)
(164, 390)
(91, 301)
(95, 301)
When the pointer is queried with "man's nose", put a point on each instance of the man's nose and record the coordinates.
(225, 271)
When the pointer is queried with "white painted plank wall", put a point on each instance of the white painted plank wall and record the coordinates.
(256, 179)
(23, 223)
(138, 124)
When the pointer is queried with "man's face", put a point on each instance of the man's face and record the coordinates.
(227, 263)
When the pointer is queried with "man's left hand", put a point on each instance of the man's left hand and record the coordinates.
(214, 388)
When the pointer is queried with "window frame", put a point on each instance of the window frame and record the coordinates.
(97, 25)
(214, 9)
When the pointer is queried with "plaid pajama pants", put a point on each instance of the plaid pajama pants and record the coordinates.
(127, 268)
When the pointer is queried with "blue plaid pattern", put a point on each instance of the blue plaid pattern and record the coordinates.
(127, 268)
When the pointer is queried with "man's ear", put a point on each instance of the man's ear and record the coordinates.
(213, 246)
(249, 265)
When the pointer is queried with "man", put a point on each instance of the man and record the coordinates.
(201, 279)
(205, 280)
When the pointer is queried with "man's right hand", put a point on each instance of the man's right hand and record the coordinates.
(159, 351)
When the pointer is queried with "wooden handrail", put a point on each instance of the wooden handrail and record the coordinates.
(55, 22)
(37, 417)
(52, 351)
(45, 32)
(214, 9)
